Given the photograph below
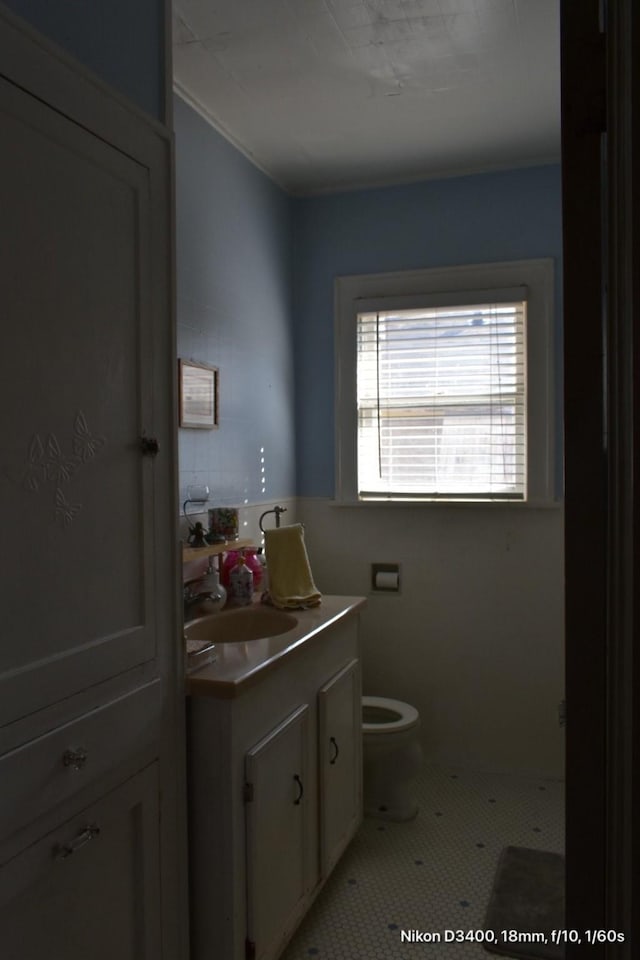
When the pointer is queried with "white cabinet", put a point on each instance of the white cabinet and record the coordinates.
(90, 672)
(89, 887)
(340, 756)
(279, 831)
(269, 812)
(77, 497)
(48, 771)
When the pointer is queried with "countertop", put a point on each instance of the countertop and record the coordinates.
(239, 665)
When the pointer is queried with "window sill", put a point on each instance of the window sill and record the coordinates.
(463, 504)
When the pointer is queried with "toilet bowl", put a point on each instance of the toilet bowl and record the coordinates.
(392, 756)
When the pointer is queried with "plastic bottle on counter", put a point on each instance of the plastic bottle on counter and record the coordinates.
(230, 561)
(252, 560)
(241, 583)
(265, 573)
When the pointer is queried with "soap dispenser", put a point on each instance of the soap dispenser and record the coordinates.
(211, 585)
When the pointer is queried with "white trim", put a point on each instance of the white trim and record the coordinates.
(167, 73)
(448, 173)
(72, 82)
(536, 275)
(320, 189)
(442, 503)
(202, 111)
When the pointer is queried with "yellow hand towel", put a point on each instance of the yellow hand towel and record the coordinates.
(290, 579)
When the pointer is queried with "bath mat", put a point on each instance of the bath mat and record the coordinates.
(527, 900)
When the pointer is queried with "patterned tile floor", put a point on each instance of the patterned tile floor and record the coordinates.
(431, 874)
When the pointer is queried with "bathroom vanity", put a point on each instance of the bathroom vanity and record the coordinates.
(275, 792)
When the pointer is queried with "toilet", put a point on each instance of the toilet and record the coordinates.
(392, 757)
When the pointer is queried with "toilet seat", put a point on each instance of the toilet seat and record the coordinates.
(393, 716)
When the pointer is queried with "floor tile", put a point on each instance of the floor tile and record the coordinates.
(431, 874)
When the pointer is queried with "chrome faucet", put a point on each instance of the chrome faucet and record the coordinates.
(190, 596)
(277, 511)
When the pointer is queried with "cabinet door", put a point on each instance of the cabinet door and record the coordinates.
(76, 491)
(89, 888)
(340, 756)
(278, 833)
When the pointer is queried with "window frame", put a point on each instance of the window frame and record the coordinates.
(393, 290)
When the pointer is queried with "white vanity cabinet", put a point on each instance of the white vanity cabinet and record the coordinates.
(339, 743)
(279, 832)
(274, 783)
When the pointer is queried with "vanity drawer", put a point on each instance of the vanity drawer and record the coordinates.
(48, 770)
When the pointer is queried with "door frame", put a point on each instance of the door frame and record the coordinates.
(600, 152)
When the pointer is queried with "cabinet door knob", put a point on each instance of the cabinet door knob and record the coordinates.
(300, 788)
(149, 446)
(75, 758)
(64, 850)
(334, 744)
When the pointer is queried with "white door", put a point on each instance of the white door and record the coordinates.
(89, 888)
(76, 490)
(88, 585)
(278, 834)
(340, 758)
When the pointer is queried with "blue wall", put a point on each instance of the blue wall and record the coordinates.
(234, 280)
(489, 217)
(122, 41)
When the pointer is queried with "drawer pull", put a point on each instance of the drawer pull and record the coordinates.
(64, 850)
(300, 790)
(334, 744)
(75, 758)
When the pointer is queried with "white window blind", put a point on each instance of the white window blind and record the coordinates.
(441, 397)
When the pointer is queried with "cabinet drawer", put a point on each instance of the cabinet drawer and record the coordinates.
(47, 771)
(89, 888)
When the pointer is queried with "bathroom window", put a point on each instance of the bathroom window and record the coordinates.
(444, 385)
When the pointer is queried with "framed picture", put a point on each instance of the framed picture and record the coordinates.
(198, 384)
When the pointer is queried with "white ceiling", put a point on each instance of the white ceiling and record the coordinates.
(333, 94)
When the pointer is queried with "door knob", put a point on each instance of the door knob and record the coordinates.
(149, 446)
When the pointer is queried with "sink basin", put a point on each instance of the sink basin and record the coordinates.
(239, 626)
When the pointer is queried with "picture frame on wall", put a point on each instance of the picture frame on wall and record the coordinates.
(198, 395)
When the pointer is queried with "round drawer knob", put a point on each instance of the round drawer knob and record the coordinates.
(75, 758)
